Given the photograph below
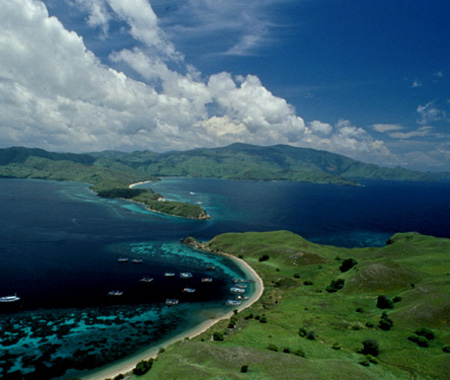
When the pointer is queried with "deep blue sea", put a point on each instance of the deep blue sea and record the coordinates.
(60, 245)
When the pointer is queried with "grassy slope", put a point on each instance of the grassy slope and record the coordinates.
(288, 304)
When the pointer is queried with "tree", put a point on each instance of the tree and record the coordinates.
(385, 302)
(347, 264)
(143, 367)
(370, 347)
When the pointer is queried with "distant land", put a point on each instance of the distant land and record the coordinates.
(112, 169)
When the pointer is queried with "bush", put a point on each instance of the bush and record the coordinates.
(364, 362)
(419, 340)
(347, 264)
(263, 319)
(360, 310)
(218, 336)
(446, 349)
(370, 347)
(372, 359)
(272, 347)
(307, 283)
(264, 258)
(335, 285)
(143, 367)
(426, 332)
(311, 335)
(336, 346)
(302, 332)
(384, 302)
(296, 275)
(299, 352)
(385, 323)
(397, 299)
(244, 369)
(286, 350)
(249, 316)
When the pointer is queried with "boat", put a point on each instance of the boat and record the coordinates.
(169, 274)
(188, 290)
(186, 275)
(243, 298)
(146, 279)
(210, 267)
(237, 290)
(172, 301)
(240, 286)
(13, 298)
(115, 293)
(207, 279)
(233, 303)
(137, 261)
(122, 259)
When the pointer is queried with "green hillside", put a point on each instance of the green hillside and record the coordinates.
(307, 326)
(280, 162)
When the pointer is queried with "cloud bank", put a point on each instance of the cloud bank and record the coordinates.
(56, 94)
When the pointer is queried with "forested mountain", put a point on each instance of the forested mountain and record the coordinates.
(236, 161)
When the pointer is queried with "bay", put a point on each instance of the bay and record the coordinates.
(59, 246)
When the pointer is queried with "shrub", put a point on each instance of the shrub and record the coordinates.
(302, 332)
(307, 283)
(446, 349)
(384, 302)
(311, 335)
(244, 369)
(336, 346)
(299, 352)
(335, 285)
(360, 310)
(272, 347)
(372, 359)
(419, 340)
(249, 316)
(370, 347)
(386, 322)
(397, 299)
(286, 350)
(364, 362)
(263, 319)
(264, 258)
(218, 336)
(143, 367)
(296, 275)
(370, 325)
(426, 332)
(347, 264)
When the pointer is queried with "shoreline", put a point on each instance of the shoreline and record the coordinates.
(127, 365)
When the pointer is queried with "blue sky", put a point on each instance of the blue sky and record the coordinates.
(367, 79)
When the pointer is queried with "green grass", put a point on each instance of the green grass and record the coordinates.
(289, 305)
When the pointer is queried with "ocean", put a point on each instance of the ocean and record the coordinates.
(60, 245)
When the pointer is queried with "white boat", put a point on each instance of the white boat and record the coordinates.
(207, 279)
(169, 274)
(188, 290)
(242, 298)
(122, 259)
(233, 303)
(172, 301)
(13, 298)
(237, 290)
(146, 279)
(186, 275)
(137, 261)
(115, 293)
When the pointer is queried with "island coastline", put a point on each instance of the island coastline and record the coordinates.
(127, 365)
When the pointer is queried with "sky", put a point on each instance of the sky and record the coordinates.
(366, 79)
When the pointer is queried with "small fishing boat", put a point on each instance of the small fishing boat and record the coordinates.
(233, 303)
(185, 275)
(172, 301)
(188, 290)
(137, 261)
(13, 298)
(122, 259)
(146, 279)
(237, 290)
(169, 274)
(207, 279)
(115, 293)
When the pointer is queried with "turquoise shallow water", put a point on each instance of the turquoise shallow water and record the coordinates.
(59, 246)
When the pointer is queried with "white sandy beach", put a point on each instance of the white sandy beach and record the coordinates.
(128, 365)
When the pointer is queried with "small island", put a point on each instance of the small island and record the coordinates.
(155, 202)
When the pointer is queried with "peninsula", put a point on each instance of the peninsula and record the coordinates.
(368, 313)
